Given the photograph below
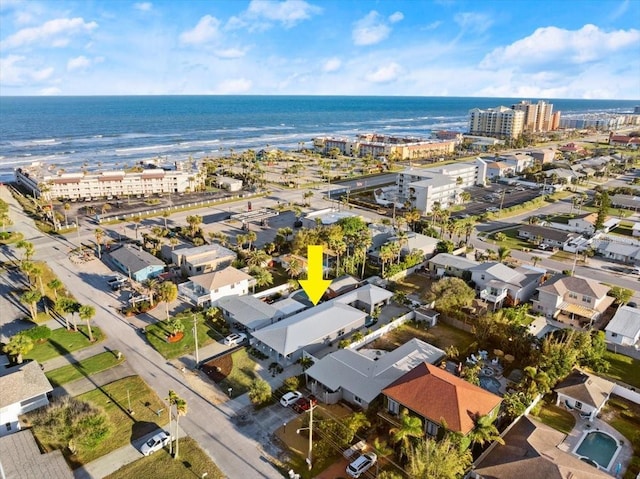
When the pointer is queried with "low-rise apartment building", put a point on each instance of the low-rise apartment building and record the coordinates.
(107, 184)
(202, 259)
(375, 146)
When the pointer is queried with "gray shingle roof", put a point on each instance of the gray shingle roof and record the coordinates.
(21, 459)
(586, 388)
(548, 233)
(562, 284)
(458, 262)
(22, 382)
(135, 259)
(248, 310)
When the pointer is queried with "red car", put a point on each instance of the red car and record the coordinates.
(304, 404)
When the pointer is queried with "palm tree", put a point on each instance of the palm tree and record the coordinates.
(181, 410)
(485, 431)
(503, 253)
(36, 271)
(31, 299)
(262, 276)
(151, 284)
(294, 267)
(251, 236)
(173, 242)
(535, 381)
(193, 222)
(410, 427)
(28, 248)
(535, 260)
(86, 312)
(99, 237)
(18, 345)
(105, 209)
(66, 207)
(257, 258)
(386, 255)
(136, 221)
(382, 450)
(66, 305)
(167, 292)
(171, 399)
(165, 216)
(56, 285)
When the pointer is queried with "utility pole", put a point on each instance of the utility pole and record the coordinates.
(310, 428)
(502, 199)
(195, 337)
(78, 229)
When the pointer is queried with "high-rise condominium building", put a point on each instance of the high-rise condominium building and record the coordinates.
(537, 117)
(500, 122)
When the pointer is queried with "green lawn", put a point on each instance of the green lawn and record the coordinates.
(625, 228)
(193, 462)
(511, 240)
(157, 336)
(442, 336)
(94, 364)
(624, 416)
(63, 342)
(623, 368)
(242, 373)
(557, 417)
(124, 427)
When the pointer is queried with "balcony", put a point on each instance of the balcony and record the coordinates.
(493, 295)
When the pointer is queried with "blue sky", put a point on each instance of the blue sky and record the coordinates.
(512, 48)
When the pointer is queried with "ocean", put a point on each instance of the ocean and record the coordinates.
(102, 133)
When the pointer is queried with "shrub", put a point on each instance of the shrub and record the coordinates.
(344, 343)
(39, 333)
(259, 391)
(291, 384)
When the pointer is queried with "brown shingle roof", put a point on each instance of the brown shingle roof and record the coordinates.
(22, 382)
(439, 395)
(561, 285)
(217, 279)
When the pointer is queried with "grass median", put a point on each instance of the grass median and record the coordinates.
(64, 342)
(88, 367)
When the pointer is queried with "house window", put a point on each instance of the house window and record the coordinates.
(432, 429)
(357, 399)
(573, 295)
(578, 405)
(233, 286)
(586, 299)
(482, 276)
(199, 269)
(394, 407)
(8, 426)
(341, 332)
(614, 335)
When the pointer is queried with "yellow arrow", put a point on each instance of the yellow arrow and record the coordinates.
(314, 285)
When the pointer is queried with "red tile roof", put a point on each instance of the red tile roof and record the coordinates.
(439, 395)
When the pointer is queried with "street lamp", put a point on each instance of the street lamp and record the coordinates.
(195, 338)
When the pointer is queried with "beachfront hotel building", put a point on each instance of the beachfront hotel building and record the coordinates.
(376, 146)
(500, 122)
(424, 187)
(108, 184)
(538, 117)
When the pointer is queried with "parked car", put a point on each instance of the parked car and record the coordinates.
(290, 398)
(543, 246)
(304, 404)
(361, 465)
(493, 209)
(156, 443)
(234, 339)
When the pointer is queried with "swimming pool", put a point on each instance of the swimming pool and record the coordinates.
(489, 383)
(599, 447)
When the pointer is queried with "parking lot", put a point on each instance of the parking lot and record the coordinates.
(496, 196)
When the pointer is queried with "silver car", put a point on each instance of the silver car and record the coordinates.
(157, 442)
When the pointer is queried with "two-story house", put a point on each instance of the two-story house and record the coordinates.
(207, 289)
(202, 259)
(578, 298)
(499, 284)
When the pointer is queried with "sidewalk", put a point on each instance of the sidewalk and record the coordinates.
(75, 356)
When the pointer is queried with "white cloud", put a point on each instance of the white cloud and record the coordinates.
(50, 91)
(370, 29)
(432, 25)
(289, 13)
(56, 32)
(78, 63)
(473, 21)
(396, 17)
(14, 72)
(143, 6)
(231, 53)
(620, 11)
(331, 65)
(234, 86)
(553, 45)
(206, 30)
(385, 74)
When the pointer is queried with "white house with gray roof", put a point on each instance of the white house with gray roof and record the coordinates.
(23, 388)
(445, 264)
(624, 327)
(318, 327)
(207, 289)
(584, 392)
(497, 283)
(247, 312)
(360, 376)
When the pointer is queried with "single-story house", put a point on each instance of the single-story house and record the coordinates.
(445, 264)
(23, 388)
(360, 376)
(315, 328)
(288, 306)
(438, 398)
(624, 327)
(137, 263)
(498, 283)
(549, 236)
(341, 285)
(579, 297)
(416, 241)
(584, 223)
(247, 312)
(625, 253)
(626, 201)
(207, 289)
(531, 450)
(624, 140)
(22, 459)
(584, 392)
(202, 259)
